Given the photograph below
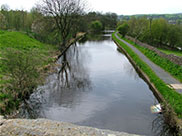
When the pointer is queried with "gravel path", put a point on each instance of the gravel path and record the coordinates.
(44, 127)
(165, 76)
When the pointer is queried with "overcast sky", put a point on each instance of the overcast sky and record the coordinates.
(126, 7)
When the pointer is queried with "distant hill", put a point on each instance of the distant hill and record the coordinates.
(172, 18)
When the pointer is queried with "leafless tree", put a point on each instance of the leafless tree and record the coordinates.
(64, 13)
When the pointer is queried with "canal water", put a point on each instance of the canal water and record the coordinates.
(95, 85)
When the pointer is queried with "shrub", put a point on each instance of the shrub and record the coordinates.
(22, 76)
(123, 29)
(96, 26)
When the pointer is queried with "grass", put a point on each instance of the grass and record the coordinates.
(170, 95)
(21, 42)
(172, 68)
(177, 53)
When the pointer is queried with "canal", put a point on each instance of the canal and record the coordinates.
(95, 85)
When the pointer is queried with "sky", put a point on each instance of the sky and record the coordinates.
(121, 7)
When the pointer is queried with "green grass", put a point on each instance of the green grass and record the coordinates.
(21, 42)
(174, 69)
(177, 53)
(170, 95)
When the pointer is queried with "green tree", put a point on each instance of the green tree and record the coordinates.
(173, 35)
(138, 27)
(2, 21)
(96, 26)
(159, 31)
(22, 71)
(123, 29)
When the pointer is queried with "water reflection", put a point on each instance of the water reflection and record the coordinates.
(96, 37)
(62, 88)
(72, 73)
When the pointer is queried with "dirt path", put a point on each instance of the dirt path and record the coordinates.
(165, 76)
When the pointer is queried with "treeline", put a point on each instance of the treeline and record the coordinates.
(17, 19)
(43, 27)
(156, 32)
(172, 18)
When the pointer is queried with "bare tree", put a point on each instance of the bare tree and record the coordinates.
(64, 13)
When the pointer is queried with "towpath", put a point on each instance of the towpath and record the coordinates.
(161, 73)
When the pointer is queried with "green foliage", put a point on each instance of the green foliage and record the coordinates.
(173, 35)
(138, 27)
(33, 23)
(2, 21)
(7, 103)
(156, 32)
(21, 59)
(21, 69)
(96, 26)
(159, 31)
(174, 52)
(20, 41)
(171, 96)
(108, 20)
(123, 29)
(43, 27)
(170, 17)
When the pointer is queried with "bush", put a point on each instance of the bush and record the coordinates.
(96, 26)
(21, 72)
(123, 29)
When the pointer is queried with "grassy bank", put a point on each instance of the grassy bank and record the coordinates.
(171, 96)
(20, 54)
(174, 69)
(177, 53)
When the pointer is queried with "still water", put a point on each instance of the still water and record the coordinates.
(95, 85)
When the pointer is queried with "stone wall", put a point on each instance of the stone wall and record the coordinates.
(44, 127)
(175, 59)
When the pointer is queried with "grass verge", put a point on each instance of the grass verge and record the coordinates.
(177, 53)
(170, 95)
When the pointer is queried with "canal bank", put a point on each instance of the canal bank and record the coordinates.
(157, 86)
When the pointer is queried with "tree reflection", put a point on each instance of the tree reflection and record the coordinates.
(63, 89)
(96, 37)
(72, 73)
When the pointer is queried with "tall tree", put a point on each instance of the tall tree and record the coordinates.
(2, 21)
(159, 31)
(64, 12)
(96, 26)
(138, 27)
(123, 29)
